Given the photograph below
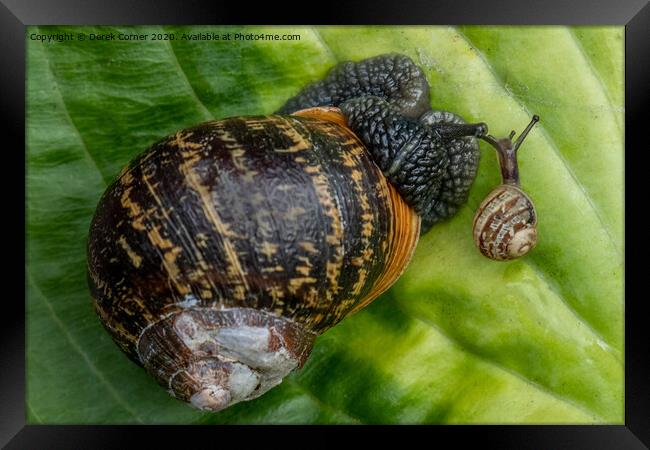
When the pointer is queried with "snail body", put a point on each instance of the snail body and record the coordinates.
(219, 254)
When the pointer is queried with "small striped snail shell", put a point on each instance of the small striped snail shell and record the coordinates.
(219, 254)
(505, 222)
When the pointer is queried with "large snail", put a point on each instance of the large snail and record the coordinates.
(218, 255)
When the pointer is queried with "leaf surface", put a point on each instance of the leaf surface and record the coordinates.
(458, 339)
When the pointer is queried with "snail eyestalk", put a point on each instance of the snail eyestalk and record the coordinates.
(523, 135)
(507, 152)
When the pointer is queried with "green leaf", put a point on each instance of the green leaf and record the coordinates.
(459, 338)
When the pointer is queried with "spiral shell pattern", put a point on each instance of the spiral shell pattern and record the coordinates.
(505, 224)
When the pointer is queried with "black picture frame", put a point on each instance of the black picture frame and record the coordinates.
(15, 15)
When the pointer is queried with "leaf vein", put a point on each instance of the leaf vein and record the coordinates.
(323, 43)
(62, 103)
(609, 349)
(77, 348)
(566, 165)
(324, 405)
(547, 137)
(596, 75)
(206, 112)
(31, 409)
(468, 349)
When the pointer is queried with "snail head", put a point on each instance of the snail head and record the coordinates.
(507, 151)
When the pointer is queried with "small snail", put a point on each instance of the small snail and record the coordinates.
(218, 255)
(505, 221)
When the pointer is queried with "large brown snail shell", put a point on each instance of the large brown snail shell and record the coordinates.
(218, 256)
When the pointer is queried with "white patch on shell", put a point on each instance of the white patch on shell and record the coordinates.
(242, 381)
(522, 242)
(189, 301)
(245, 351)
(211, 398)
